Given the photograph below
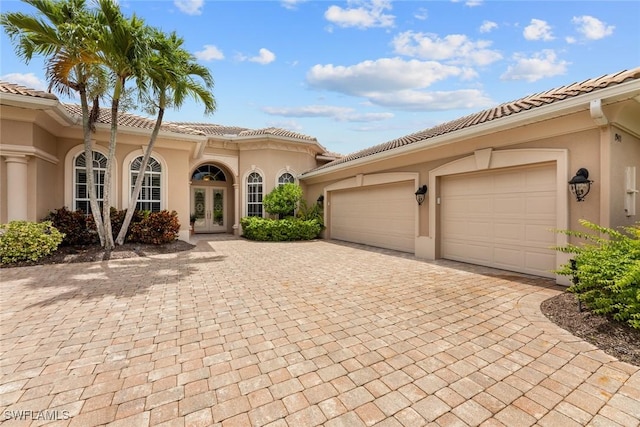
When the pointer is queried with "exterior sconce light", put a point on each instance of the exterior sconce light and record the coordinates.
(580, 184)
(320, 200)
(420, 194)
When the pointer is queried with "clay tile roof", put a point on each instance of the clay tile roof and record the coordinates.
(134, 121)
(503, 110)
(212, 129)
(221, 130)
(6, 87)
(277, 132)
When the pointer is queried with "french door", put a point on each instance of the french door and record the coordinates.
(208, 206)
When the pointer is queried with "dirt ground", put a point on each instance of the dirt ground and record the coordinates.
(614, 338)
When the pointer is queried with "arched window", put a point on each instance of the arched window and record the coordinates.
(208, 173)
(80, 187)
(286, 178)
(254, 194)
(150, 198)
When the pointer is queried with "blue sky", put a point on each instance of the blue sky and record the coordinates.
(358, 73)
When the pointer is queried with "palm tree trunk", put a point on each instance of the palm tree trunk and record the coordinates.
(135, 193)
(106, 208)
(88, 155)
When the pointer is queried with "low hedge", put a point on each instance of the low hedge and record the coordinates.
(272, 230)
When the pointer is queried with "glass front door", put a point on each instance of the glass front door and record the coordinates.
(207, 204)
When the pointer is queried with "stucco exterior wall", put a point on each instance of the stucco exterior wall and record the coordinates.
(625, 153)
(271, 163)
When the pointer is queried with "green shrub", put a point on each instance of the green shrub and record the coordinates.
(265, 229)
(78, 228)
(27, 241)
(117, 218)
(606, 271)
(282, 200)
(155, 228)
(308, 212)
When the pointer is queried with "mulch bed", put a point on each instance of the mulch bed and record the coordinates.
(72, 254)
(614, 338)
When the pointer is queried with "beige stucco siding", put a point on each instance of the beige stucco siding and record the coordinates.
(625, 152)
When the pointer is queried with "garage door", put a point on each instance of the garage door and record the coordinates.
(501, 219)
(382, 216)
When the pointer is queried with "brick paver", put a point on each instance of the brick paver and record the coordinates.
(292, 334)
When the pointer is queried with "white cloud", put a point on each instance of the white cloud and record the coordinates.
(456, 48)
(385, 74)
(397, 83)
(190, 7)
(592, 28)
(540, 65)
(488, 26)
(538, 30)
(469, 3)
(421, 14)
(361, 14)
(265, 56)
(29, 80)
(340, 114)
(413, 100)
(291, 4)
(209, 53)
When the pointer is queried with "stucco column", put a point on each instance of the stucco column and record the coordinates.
(16, 187)
(236, 219)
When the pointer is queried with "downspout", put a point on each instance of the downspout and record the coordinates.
(600, 119)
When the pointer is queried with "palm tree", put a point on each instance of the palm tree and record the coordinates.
(172, 75)
(64, 33)
(123, 45)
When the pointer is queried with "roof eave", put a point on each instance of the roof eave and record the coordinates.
(628, 90)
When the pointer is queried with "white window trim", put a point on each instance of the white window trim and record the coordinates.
(245, 196)
(69, 178)
(127, 184)
(283, 171)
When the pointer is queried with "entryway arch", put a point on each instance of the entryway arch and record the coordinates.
(212, 198)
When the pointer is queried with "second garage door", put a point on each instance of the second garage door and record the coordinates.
(501, 219)
(381, 216)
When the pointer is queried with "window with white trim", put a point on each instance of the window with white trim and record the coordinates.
(80, 187)
(286, 178)
(150, 198)
(254, 194)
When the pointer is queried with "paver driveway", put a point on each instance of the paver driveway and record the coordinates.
(296, 334)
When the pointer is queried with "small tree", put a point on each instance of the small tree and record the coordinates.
(283, 200)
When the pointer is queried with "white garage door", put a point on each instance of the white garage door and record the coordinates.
(382, 216)
(501, 219)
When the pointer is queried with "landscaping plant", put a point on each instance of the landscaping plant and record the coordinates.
(78, 228)
(606, 271)
(283, 200)
(155, 228)
(27, 241)
(274, 230)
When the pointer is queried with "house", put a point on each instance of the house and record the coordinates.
(217, 173)
(496, 181)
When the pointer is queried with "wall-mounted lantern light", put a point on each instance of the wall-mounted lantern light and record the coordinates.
(320, 200)
(420, 194)
(580, 184)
